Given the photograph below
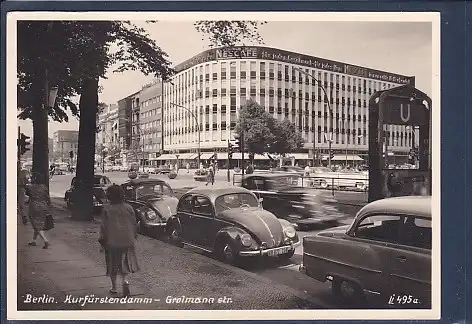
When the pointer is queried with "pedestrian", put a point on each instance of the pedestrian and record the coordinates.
(39, 213)
(118, 233)
(211, 177)
(21, 192)
(188, 167)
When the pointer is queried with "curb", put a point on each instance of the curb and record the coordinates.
(236, 270)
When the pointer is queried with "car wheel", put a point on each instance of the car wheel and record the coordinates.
(323, 184)
(227, 252)
(287, 255)
(174, 235)
(345, 291)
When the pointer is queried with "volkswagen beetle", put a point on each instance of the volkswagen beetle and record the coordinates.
(153, 201)
(230, 223)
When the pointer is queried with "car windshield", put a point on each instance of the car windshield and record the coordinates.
(291, 181)
(153, 189)
(236, 200)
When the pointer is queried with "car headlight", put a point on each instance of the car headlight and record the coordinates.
(150, 214)
(246, 240)
(290, 232)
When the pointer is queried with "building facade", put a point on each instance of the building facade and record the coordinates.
(108, 134)
(65, 141)
(149, 120)
(214, 84)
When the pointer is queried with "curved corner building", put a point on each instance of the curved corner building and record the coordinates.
(214, 84)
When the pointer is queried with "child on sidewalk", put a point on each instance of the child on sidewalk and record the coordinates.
(118, 233)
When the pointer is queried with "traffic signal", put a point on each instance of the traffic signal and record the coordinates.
(71, 154)
(230, 150)
(237, 143)
(23, 143)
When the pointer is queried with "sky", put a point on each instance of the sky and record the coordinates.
(399, 47)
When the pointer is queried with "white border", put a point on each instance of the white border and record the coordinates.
(11, 124)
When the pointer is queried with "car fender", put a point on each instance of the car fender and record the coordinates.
(230, 232)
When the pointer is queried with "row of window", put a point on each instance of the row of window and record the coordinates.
(150, 101)
(284, 72)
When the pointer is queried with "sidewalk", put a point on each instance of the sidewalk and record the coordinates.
(73, 268)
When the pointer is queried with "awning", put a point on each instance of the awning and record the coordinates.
(299, 156)
(260, 157)
(206, 156)
(187, 156)
(347, 157)
(166, 157)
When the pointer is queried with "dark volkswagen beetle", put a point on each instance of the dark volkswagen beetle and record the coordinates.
(230, 223)
(153, 201)
(285, 196)
(100, 185)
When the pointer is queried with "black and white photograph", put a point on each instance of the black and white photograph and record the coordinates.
(281, 165)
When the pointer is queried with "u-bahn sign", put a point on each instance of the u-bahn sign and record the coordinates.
(403, 105)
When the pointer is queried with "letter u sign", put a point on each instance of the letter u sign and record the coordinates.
(407, 118)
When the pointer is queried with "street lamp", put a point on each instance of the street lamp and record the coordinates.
(198, 129)
(330, 139)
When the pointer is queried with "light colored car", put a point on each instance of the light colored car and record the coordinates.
(385, 252)
(325, 178)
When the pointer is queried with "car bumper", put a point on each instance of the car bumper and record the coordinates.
(155, 225)
(273, 251)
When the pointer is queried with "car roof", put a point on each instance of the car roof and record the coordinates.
(410, 205)
(143, 181)
(215, 192)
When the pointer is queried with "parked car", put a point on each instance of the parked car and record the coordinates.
(100, 185)
(284, 196)
(289, 168)
(163, 170)
(230, 223)
(153, 201)
(386, 251)
(325, 178)
(201, 175)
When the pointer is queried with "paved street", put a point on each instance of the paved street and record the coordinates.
(283, 273)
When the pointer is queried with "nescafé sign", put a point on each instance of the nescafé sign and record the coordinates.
(272, 54)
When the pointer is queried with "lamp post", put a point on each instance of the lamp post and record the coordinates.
(330, 140)
(198, 129)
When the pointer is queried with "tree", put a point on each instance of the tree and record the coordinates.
(287, 138)
(256, 127)
(263, 133)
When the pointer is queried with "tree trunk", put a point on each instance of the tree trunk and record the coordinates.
(40, 143)
(86, 152)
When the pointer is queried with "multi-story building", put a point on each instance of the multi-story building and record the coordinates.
(150, 119)
(65, 141)
(108, 134)
(214, 84)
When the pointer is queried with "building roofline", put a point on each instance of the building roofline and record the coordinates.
(280, 55)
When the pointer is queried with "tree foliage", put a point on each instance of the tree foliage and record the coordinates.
(263, 133)
(230, 33)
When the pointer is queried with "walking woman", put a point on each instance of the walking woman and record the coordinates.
(39, 209)
(118, 233)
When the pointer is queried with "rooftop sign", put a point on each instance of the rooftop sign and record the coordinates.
(272, 54)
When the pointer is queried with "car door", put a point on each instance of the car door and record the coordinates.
(410, 271)
(376, 237)
(203, 221)
(185, 216)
